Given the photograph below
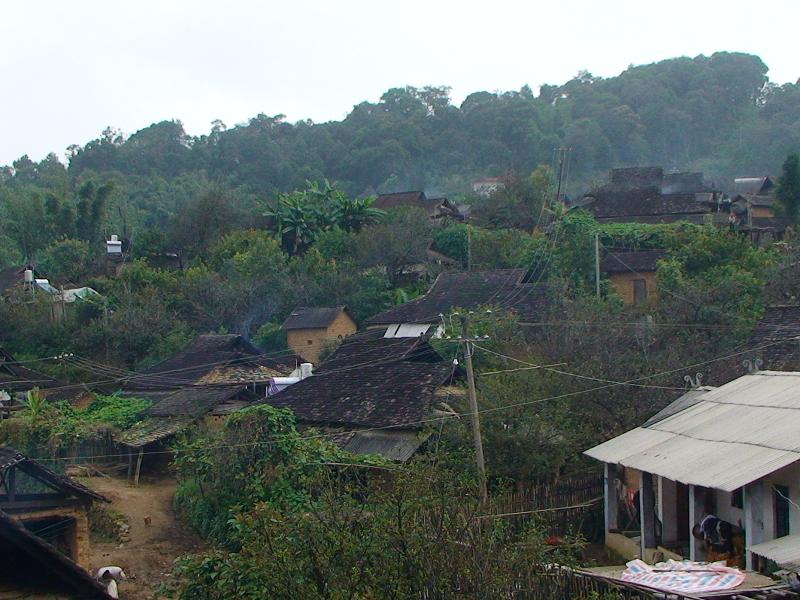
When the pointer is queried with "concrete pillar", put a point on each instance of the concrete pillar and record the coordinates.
(610, 494)
(754, 527)
(668, 509)
(696, 513)
(647, 516)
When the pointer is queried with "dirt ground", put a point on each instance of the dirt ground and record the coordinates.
(148, 553)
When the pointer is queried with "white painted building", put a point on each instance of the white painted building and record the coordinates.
(733, 451)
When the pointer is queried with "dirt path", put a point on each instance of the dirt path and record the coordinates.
(148, 554)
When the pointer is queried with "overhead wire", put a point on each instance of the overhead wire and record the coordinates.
(435, 419)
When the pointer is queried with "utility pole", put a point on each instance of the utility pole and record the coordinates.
(469, 248)
(473, 408)
(597, 264)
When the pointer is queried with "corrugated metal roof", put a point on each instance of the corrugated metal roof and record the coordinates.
(735, 434)
(689, 399)
(153, 429)
(785, 551)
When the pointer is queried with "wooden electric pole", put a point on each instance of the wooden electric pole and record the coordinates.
(597, 264)
(473, 408)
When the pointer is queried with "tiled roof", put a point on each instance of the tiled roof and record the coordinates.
(10, 277)
(399, 394)
(779, 323)
(370, 381)
(432, 206)
(202, 356)
(36, 569)
(11, 458)
(196, 401)
(499, 287)
(610, 203)
(634, 261)
(152, 429)
(312, 317)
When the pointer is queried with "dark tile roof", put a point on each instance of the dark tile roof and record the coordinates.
(10, 277)
(33, 567)
(370, 381)
(197, 401)
(15, 376)
(313, 317)
(636, 177)
(433, 206)
(755, 200)
(395, 199)
(499, 287)
(395, 394)
(13, 459)
(608, 203)
(779, 323)
(638, 261)
(152, 429)
(202, 356)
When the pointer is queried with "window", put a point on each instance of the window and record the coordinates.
(781, 495)
(737, 498)
(639, 291)
(310, 342)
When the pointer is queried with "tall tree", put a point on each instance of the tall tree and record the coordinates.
(789, 187)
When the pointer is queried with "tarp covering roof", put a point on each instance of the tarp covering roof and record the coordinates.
(734, 435)
(785, 551)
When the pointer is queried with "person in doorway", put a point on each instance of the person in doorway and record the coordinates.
(109, 576)
(722, 540)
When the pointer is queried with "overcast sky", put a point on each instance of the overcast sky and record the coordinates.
(69, 69)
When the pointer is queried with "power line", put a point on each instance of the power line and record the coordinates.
(436, 419)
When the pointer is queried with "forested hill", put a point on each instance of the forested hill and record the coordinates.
(718, 114)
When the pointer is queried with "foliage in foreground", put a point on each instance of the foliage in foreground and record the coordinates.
(417, 532)
(258, 457)
(43, 427)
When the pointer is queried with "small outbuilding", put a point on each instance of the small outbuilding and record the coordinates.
(309, 329)
(633, 274)
(52, 506)
(731, 451)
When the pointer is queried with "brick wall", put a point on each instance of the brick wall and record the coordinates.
(308, 343)
(623, 283)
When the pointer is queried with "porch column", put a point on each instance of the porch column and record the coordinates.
(647, 516)
(754, 529)
(668, 509)
(696, 512)
(610, 494)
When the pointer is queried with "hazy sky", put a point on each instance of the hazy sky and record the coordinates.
(69, 69)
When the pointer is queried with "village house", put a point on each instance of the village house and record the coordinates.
(730, 451)
(54, 507)
(753, 209)
(435, 208)
(375, 394)
(633, 275)
(214, 359)
(517, 290)
(648, 195)
(311, 330)
(32, 568)
(194, 406)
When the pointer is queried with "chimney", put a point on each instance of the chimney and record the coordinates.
(306, 370)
